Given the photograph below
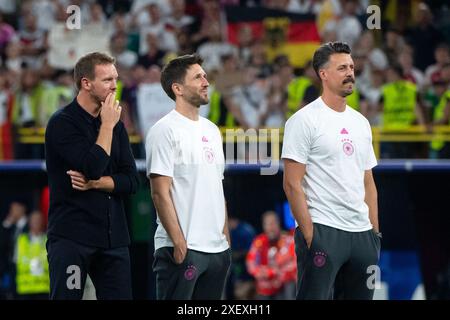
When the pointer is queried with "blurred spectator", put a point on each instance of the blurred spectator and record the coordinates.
(154, 55)
(33, 42)
(26, 110)
(276, 103)
(259, 60)
(110, 7)
(214, 48)
(6, 152)
(441, 114)
(10, 229)
(165, 36)
(14, 59)
(401, 108)
(442, 57)
(59, 93)
(302, 90)
(143, 16)
(152, 102)
(424, 35)
(411, 73)
(210, 17)
(240, 285)
(97, 16)
(393, 44)
(45, 11)
(27, 100)
(7, 33)
(221, 84)
(366, 46)
(124, 57)
(248, 101)
(179, 20)
(184, 43)
(347, 26)
(245, 40)
(329, 10)
(358, 99)
(32, 278)
(368, 86)
(132, 79)
(271, 260)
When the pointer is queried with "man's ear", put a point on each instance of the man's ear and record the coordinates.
(176, 88)
(85, 84)
(322, 74)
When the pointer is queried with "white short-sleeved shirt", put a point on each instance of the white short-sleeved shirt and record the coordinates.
(337, 149)
(191, 153)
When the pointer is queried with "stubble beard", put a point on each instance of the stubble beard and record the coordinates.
(198, 100)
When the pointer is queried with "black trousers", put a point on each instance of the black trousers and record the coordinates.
(70, 263)
(338, 265)
(201, 276)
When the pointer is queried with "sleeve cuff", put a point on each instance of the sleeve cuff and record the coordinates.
(295, 158)
(160, 171)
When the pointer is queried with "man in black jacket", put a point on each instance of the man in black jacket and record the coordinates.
(90, 168)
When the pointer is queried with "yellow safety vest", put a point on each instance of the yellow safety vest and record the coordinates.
(52, 100)
(399, 104)
(437, 144)
(353, 99)
(214, 111)
(35, 101)
(296, 92)
(119, 90)
(32, 266)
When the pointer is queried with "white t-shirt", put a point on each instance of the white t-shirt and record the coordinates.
(191, 153)
(336, 148)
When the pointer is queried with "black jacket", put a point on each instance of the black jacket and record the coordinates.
(92, 217)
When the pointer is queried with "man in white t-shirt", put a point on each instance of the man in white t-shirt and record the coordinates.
(185, 165)
(328, 160)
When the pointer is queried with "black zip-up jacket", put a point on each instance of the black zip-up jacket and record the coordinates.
(95, 218)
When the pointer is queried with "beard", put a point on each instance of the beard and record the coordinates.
(96, 97)
(197, 100)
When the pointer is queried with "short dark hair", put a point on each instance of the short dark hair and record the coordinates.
(175, 71)
(323, 53)
(85, 67)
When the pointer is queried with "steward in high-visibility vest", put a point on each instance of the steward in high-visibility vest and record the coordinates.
(34, 101)
(354, 100)
(32, 267)
(439, 118)
(399, 104)
(218, 112)
(296, 92)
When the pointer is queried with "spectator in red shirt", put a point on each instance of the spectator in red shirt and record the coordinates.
(271, 261)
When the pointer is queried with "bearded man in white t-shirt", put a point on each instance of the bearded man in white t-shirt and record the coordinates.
(328, 160)
(185, 165)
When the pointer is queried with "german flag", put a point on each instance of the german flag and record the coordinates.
(294, 35)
